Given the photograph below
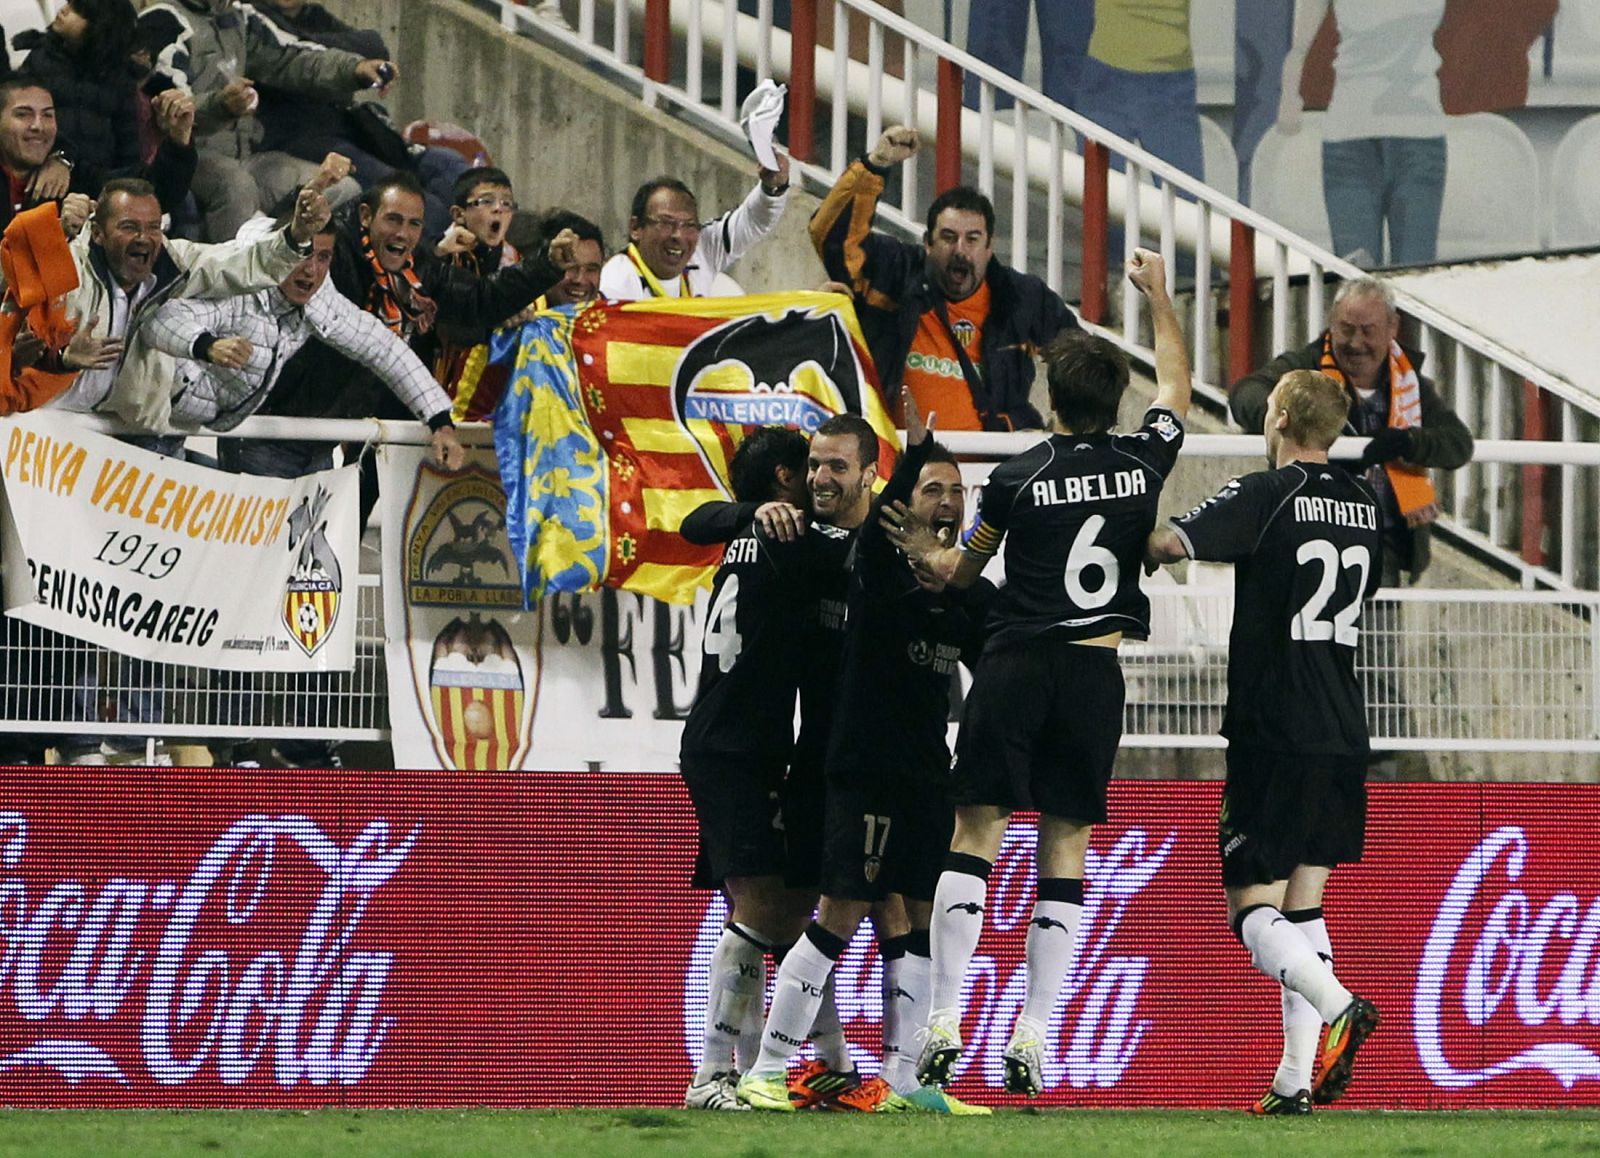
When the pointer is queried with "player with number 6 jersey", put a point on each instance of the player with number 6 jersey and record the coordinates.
(1306, 542)
(1042, 724)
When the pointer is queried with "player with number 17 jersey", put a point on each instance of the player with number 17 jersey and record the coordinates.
(1074, 511)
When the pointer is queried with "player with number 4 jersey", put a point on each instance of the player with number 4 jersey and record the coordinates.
(1043, 721)
(739, 736)
(1305, 539)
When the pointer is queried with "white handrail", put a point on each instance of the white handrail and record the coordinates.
(978, 444)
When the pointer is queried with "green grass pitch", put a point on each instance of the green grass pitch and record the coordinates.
(670, 1133)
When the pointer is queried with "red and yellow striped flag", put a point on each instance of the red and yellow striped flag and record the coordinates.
(669, 387)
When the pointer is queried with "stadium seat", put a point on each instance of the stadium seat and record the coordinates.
(1490, 188)
(1491, 178)
(1574, 212)
(444, 135)
(1286, 180)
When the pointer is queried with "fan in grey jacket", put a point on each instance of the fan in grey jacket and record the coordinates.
(231, 351)
(218, 50)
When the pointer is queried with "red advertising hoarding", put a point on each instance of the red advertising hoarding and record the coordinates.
(299, 938)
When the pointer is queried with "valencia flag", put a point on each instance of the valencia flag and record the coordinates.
(620, 419)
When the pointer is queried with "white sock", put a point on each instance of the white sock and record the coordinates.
(1279, 950)
(748, 1047)
(1052, 934)
(827, 1034)
(1302, 1027)
(893, 953)
(737, 966)
(804, 974)
(911, 1001)
(957, 924)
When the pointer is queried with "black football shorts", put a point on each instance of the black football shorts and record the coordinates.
(1040, 729)
(1281, 810)
(737, 802)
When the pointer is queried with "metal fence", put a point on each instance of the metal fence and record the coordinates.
(1498, 670)
(1442, 670)
(58, 685)
(1253, 286)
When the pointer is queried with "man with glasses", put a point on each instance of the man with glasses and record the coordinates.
(673, 254)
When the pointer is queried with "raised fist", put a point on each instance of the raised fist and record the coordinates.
(897, 144)
(1148, 271)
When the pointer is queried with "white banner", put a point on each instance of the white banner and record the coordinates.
(164, 560)
(462, 657)
(600, 681)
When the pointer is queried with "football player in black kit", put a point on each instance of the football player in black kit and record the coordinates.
(1043, 721)
(1306, 542)
(779, 595)
(888, 819)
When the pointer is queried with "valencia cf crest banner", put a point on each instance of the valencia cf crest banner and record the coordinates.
(462, 656)
(620, 419)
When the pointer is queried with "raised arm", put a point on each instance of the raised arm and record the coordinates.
(841, 228)
(1147, 271)
(730, 236)
(362, 338)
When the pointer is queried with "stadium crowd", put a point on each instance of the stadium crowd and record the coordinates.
(249, 233)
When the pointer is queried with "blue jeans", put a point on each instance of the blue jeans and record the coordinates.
(269, 459)
(1376, 181)
(997, 34)
(1156, 110)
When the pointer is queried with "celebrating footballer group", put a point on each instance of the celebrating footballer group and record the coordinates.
(862, 606)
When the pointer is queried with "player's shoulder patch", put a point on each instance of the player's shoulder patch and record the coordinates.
(1166, 425)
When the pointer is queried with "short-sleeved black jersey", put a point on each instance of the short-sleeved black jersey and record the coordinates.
(1075, 511)
(751, 659)
(900, 654)
(1307, 544)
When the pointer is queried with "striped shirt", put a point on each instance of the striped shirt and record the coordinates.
(221, 397)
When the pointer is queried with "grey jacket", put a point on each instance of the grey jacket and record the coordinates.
(142, 387)
(202, 45)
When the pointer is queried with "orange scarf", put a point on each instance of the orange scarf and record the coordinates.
(1418, 502)
(39, 273)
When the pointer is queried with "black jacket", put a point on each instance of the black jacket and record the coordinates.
(892, 292)
(96, 126)
(320, 383)
(307, 124)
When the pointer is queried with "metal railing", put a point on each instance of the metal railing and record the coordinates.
(694, 55)
(54, 684)
(1443, 669)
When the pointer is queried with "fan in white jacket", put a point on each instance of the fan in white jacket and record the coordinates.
(127, 269)
(229, 352)
(671, 253)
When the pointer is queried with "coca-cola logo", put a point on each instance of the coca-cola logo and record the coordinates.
(1097, 1026)
(1509, 962)
(310, 1010)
